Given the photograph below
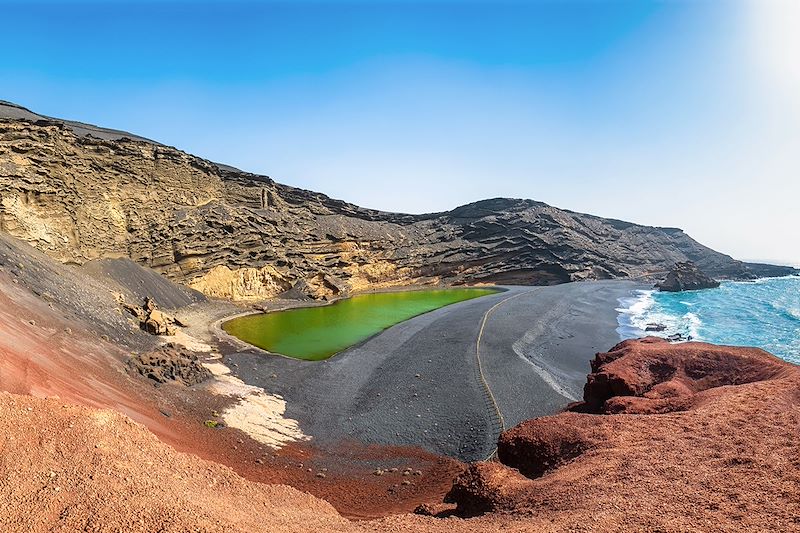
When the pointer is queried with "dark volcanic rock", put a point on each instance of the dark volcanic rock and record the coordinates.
(761, 270)
(170, 363)
(687, 276)
(81, 197)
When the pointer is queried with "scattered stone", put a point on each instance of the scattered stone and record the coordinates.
(425, 509)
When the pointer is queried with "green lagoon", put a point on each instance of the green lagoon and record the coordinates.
(315, 333)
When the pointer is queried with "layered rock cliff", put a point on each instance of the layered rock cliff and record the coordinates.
(79, 193)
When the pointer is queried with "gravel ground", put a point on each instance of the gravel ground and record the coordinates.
(418, 383)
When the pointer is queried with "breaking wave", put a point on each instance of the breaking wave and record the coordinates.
(765, 314)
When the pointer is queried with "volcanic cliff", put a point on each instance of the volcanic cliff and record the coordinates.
(79, 192)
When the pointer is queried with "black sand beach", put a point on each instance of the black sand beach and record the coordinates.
(418, 383)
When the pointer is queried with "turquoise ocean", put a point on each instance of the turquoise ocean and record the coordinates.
(764, 313)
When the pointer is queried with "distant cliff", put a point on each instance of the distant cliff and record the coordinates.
(79, 192)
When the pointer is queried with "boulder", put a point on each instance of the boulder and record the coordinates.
(170, 363)
(151, 319)
(484, 488)
(686, 277)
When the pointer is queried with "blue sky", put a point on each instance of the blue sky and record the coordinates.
(680, 113)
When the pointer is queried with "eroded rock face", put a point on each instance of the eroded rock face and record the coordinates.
(236, 235)
(544, 444)
(687, 276)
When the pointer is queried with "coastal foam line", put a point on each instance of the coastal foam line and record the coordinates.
(763, 313)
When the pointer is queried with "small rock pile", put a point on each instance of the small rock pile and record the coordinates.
(151, 319)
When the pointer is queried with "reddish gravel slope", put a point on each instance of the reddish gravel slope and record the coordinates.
(69, 468)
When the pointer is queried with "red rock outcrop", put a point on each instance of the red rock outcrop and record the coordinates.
(652, 376)
(673, 437)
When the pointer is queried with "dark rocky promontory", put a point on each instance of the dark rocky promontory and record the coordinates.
(687, 276)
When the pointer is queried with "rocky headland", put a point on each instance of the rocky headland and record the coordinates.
(687, 277)
(669, 437)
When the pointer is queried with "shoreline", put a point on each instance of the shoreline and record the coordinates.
(762, 313)
(369, 393)
(218, 329)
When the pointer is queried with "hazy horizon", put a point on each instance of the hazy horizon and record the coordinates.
(679, 114)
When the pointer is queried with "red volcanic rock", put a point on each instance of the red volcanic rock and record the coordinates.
(653, 376)
(485, 487)
(686, 437)
(543, 444)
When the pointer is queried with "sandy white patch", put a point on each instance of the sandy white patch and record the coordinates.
(257, 413)
(187, 341)
(217, 369)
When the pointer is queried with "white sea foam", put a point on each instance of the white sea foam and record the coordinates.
(632, 312)
(765, 313)
(692, 323)
(641, 310)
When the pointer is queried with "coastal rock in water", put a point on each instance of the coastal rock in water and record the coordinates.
(686, 276)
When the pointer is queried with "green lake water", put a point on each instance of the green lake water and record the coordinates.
(315, 333)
